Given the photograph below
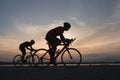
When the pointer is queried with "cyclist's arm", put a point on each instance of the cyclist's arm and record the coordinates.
(30, 48)
(62, 38)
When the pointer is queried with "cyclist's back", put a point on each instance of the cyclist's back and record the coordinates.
(56, 31)
(25, 44)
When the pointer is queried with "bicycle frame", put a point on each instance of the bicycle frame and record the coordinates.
(61, 51)
(65, 48)
(33, 52)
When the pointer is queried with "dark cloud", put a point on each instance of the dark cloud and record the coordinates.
(96, 11)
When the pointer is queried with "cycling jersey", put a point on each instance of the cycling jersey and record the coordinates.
(25, 44)
(56, 31)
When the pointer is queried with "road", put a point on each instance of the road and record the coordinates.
(96, 72)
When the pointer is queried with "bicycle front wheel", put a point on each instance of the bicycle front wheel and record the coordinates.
(71, 57)
(33, 60)
(17, 60)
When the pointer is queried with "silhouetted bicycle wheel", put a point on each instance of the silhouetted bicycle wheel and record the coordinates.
(71, 57)
(44, 57)
(33, 60)
(17, 60)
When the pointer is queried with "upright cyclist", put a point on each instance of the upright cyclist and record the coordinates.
(26, 45)
(52, 39)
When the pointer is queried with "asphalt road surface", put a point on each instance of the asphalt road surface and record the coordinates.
(108, 72)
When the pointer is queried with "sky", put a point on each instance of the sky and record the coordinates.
(95, 24)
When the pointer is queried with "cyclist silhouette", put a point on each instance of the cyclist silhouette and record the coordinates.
(53, 41)
(26, 45)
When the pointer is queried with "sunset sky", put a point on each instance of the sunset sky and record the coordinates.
(95, 24)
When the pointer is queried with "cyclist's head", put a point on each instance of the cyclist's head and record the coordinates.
(32, 41)
(66, 26)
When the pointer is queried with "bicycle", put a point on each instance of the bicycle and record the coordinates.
(31, 59)
(69, 56)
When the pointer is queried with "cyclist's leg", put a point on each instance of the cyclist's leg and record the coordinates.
(22, 49)
(23, 57)
(53, 49)
(52, 53)
(54, 42)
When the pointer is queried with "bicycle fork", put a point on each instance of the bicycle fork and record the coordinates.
(69, 53)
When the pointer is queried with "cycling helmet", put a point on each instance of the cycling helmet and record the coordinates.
(67, 25)
(32, 41)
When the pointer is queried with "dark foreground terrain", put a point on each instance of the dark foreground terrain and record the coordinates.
(107, 72)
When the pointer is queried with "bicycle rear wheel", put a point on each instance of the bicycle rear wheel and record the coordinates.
(44, 57)
(71, 57)
(17, 60)
(33, 60)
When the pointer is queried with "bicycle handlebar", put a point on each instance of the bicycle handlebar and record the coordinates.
(73, 39)
(33, 50)
(68, 41)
